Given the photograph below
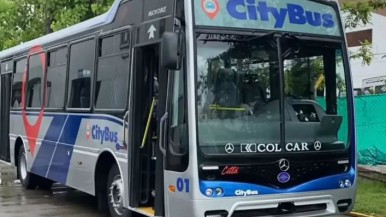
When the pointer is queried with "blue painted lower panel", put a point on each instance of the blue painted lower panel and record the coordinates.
(42, 159)
(53, 158)
(61, 163)
(46, 150)
(232, 189)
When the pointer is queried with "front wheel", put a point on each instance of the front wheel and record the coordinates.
(115, 191)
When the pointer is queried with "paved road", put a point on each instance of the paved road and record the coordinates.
(60, 202)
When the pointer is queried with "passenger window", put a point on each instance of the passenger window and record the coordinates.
(81, 71)
(17, 83)
(35, 78)
(112, 84)
(56, 78)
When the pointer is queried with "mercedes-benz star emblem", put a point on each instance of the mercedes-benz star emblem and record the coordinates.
(317, 145)
(284, 165)
(229, 148)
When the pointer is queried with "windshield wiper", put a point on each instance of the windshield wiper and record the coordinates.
(273, 42)
(292, 49)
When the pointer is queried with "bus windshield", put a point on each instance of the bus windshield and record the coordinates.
(240, 95)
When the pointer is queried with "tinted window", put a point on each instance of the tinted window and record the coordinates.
(6, 67)
(58, 57)
(56, 78)
(17, 83)
(239, 96)
(35, 77)
(113, 75)
(80, 74)
(110, 45)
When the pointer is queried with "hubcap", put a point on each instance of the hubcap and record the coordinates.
(116, 192)
(23, 167)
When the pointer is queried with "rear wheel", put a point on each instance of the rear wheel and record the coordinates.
(28, 180)
(115, 191)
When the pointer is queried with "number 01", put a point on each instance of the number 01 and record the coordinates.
(183, 184)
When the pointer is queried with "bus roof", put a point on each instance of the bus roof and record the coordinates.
(98, 21)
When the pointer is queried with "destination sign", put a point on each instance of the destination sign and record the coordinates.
(279, 15)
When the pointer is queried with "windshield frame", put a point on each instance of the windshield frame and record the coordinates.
(350, 109)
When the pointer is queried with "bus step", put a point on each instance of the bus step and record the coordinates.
(149, 211)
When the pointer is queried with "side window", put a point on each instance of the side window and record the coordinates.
(112, 80)
(80, 74)
(17, 83)
(6, 67)
(35, 77)
(56, 78)
(179, 143)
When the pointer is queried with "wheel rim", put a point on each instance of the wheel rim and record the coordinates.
(116, 192)
(23, 167)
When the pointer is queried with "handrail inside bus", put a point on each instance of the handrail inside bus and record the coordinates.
(222, 108)
(148, 123)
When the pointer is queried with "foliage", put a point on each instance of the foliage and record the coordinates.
(364, 53)
(371, 198)
(24, 20)
(359, 13)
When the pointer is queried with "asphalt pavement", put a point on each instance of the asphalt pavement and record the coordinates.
(58, 202)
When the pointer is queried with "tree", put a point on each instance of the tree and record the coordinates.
(358, 12)
(24, 20)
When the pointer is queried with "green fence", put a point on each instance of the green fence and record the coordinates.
(371, 129)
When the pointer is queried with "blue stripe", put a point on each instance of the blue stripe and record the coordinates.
(63, 154)
(230, 188)
(46, 150)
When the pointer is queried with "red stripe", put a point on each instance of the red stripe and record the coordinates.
(32, 130)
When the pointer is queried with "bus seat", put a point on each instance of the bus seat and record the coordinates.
(225, 89)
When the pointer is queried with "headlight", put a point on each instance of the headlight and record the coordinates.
(209, 192)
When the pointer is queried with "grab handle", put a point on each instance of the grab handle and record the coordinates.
(162, 133)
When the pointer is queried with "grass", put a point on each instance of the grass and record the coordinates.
(371, 198)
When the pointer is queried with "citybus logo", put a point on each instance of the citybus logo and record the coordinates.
(103, 135)
(246, 192)
(210, 7)
(294, 13)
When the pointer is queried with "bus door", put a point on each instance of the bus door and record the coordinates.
(143, 152)
(5, 98)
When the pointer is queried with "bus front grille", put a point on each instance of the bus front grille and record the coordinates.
(282, 209)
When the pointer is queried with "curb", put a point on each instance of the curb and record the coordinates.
(356, 214)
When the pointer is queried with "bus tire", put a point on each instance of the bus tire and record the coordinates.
(115, 191)
(27, 180)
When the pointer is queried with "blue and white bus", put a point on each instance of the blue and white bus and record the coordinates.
(213, 108)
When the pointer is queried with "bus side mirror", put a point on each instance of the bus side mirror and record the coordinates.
(170, 51)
